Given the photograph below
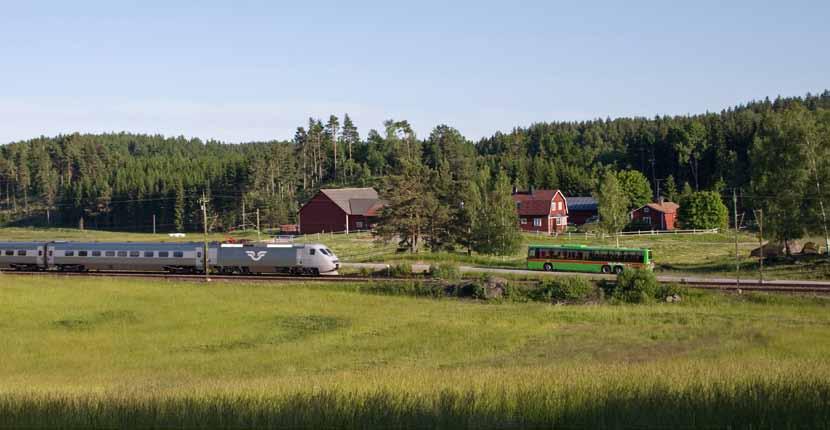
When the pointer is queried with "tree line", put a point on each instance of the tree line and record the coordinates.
(773, 152)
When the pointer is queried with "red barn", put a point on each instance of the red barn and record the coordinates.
(340, 209)
(660, 216)
(580, 209)
(542, 210)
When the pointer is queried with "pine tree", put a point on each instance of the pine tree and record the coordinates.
(179, 206)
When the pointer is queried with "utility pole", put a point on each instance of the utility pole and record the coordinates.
(203, 202)
(257, 225)
(759, 216)
(154, 223)
(737, 256)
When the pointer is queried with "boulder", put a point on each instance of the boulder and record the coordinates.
(810, 248)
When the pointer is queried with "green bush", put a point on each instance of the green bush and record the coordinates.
(564, 290)
(636, 286)
(445, 271)
(411, 288)
(666, 290)
(400, 270)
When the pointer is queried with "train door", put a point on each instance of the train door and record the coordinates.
(50, 255)
(299, 253)
(200, 259)
(41, 256)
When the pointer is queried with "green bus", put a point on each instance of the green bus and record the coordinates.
(581, 258)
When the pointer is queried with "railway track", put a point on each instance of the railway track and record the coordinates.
(714, 284)
(773, 286)
(201, 278)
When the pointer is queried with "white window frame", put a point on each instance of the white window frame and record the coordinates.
(523, 220)
(646, 209)
(647, 219)
(537, 222)
(358, 224)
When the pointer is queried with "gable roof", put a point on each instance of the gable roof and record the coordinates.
(354, 201)
(536, 202)
(582, 204)
(665, 207)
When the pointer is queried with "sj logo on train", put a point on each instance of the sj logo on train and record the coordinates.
(256, 256)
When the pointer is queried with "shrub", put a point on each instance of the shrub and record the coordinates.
(564, 290)
(410, 288)
(636, 286)
(400, 270)
(666, 290)
(446, 271)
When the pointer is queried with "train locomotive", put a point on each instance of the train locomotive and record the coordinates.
(187, 257)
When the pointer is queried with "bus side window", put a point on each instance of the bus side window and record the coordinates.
(531, 252)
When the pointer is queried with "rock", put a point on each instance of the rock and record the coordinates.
(810, 248)
(669, 299)
(677, 297)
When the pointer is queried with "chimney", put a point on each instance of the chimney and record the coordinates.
(661, 199)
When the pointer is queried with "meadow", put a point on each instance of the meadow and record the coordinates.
(140, 354)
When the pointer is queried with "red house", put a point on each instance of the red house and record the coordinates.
(660, 216)
(542, 210)
(341, 209)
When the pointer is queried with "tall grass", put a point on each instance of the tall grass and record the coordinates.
(110, 353)
(794, 401)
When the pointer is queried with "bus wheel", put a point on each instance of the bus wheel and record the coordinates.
(548, 267)
(606, 269)
(618, 269)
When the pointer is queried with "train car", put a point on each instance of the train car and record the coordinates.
(296, 259)
(22, 255)
(581, 258)
(170, 257)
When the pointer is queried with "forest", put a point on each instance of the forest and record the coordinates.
(772, 153)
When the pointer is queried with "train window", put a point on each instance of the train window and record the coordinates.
(311, 251)
(164, 254)
(122, 253)
(68, 253)
(21, 252)
(148, 254)
(110, 253)
(199, 254)
(39, 252)
(134, 253)
(9, 252)
(96, 253)
(50, 252)
(531, 252)
(82, 253)
(178, 254)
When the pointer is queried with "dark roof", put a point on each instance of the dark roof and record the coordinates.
(582, 204)
(355, 201)
(665, 207)
(536, 202)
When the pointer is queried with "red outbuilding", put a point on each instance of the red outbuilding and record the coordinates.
(340, 210)
(660, 216)
(541, 210)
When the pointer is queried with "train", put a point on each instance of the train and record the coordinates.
(183, 258)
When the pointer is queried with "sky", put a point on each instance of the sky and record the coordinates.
(242, 71)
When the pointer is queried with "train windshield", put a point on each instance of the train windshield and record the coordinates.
(330, 252)
(324, 251)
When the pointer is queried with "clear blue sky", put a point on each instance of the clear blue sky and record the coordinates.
(241, 71)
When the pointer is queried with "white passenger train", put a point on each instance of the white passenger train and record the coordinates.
(295, 259)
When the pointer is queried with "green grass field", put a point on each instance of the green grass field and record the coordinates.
(699, 255)
(136, 354)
